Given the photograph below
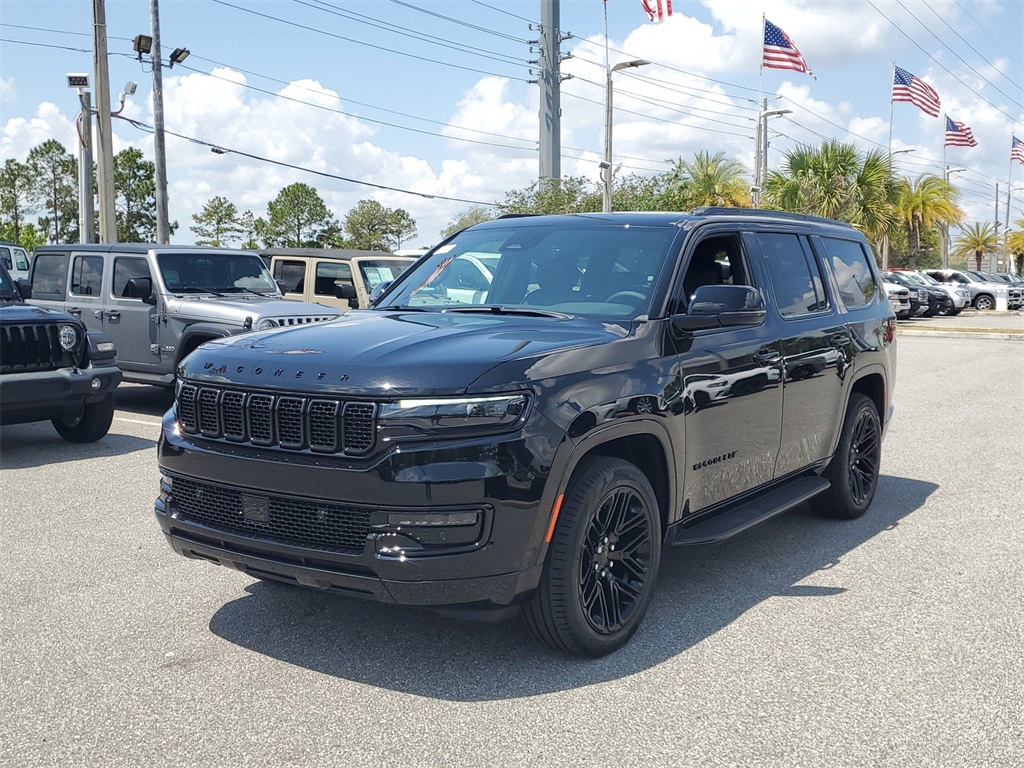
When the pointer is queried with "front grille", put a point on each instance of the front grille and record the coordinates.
(324, 526)
(30, 348)
(289, 422)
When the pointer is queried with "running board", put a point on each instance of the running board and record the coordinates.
(733, 520)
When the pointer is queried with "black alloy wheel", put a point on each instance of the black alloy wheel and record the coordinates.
(854, 469)
(602, 561)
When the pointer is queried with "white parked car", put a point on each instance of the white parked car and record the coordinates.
(961, 296)
(899, 299)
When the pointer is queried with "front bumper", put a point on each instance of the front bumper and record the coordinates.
(500, 479)
(39, 395)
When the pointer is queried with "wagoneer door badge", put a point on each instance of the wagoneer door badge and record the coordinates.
(714, 460)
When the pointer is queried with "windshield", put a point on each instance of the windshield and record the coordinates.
(926, 279)
(8, 291)
(892, 277)
(376, 271)
(215, 273)
(604, 271)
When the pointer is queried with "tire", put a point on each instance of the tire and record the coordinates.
(953, 312)
(984, 302)
(591, 598)
(93, 424)
(853, 471)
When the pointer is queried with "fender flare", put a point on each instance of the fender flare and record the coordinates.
(207, 331)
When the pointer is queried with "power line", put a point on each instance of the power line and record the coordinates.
(460, 22)
(659, 119)
(502, 10)
(368, 45)
(985, 32)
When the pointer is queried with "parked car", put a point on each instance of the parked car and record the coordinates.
(14, 259)
(899, 299)
(533, 449)
(51, 368)
(930, 301)
(160, 302)
(320, 274)
(983, 292)
(1014, 295)
(959, 296)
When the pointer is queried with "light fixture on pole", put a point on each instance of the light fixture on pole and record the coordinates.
(86, 221)
(607, 171)
(178, 55)
(761, 155)
(944, 228)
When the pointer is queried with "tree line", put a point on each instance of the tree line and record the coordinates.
(834, 180)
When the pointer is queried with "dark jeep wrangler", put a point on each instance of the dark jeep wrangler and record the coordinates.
(51, 368)
(624, 381)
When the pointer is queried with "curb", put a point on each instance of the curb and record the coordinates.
(965, 334)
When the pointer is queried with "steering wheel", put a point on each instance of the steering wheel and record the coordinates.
(625, 295)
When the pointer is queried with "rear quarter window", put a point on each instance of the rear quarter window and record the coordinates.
(848, 260)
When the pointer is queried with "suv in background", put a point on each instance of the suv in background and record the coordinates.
(983, 292)
(959, 296)
(932, 301)
(899, 299)
(1014, 294)
(343, 279)
(14, 259)
(160, 302)
(52, 368)
(623, 381)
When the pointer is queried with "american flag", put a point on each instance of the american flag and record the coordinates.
(1017, 150)
(906, 87)
(657, 8)
(779, 51)
(958, 134)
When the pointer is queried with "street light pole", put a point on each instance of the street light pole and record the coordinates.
(163, 231)
(761, 155)
(105, 164)
(944, 244)
(86, 220)
(607, 171)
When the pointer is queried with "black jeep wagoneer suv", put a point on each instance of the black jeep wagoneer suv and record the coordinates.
(530, 441)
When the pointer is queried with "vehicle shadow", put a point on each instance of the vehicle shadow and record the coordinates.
(143, 400)
(700, 591)
(35, 445)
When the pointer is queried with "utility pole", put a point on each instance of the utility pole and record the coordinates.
(86, 222)
(163, 231)
(105, 161)
(550, 94)
(756, 190)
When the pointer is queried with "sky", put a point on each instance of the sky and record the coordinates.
(433, 97)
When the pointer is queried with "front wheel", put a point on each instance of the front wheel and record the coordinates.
(602, 562)
(984, 303)
(93, 424)
(854, 469)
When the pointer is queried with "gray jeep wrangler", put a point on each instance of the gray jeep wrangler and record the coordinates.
(160, 302)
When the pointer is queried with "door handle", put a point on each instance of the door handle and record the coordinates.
(113, 314)
(839, 340)
(766, 356)
(98, 313)
(75, 311)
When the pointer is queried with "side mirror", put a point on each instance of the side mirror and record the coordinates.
(717, 306)
(346, 291)
(24, 288)
(140, 288)
(378, 291)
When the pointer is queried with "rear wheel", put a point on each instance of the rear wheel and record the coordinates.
(93, 424)
(984, 303)
(854, 469)
(602, 562)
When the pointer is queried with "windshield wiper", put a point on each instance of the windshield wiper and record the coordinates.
(524, 311)
(237, 288)
(195, 289)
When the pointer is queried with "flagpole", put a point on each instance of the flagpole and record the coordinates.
(758, 181)
(885, 238)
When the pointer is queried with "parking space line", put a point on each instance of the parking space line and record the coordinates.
(137, 421)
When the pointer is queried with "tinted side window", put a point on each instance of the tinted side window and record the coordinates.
(87, 275)
(465, 274)
(20, 259)
(124, 270)
(796, 281)
(291, 274)
(50, 276)
(5, 257)
(849, 263)
(328, 274)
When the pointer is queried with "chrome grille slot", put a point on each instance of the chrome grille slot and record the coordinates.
(323, 425)
(233, 415)
(291, 432)
(209, 412)
(286, 422)
(358, 427)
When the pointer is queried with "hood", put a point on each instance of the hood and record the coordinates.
(236, 309)
(27, 313)
(377, 353)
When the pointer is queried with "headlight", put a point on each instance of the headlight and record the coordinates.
(68, 335)
(266, 323)
(893, 295)
(428, 417)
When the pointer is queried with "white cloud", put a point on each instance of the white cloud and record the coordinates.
(8, 92)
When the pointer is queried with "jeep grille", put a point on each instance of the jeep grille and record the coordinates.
(29, 348)
(289, 422)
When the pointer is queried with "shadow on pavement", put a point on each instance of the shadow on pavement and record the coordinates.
(700, 591)
(35, 445)
(143, 400)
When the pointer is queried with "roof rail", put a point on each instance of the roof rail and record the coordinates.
(518, 215)
(709, 210)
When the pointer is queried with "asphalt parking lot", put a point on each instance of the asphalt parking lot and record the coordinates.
(895, 639)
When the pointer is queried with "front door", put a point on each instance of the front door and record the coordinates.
(726, 384)
(132, 323)
(85, 290)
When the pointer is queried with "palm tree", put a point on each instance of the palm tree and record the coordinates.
(923, 203)
(1015, 244)
(978, 239)
(837, 181)
(706, 180)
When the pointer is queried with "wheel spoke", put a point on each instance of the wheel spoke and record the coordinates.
(614, 605)
(636, 566)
